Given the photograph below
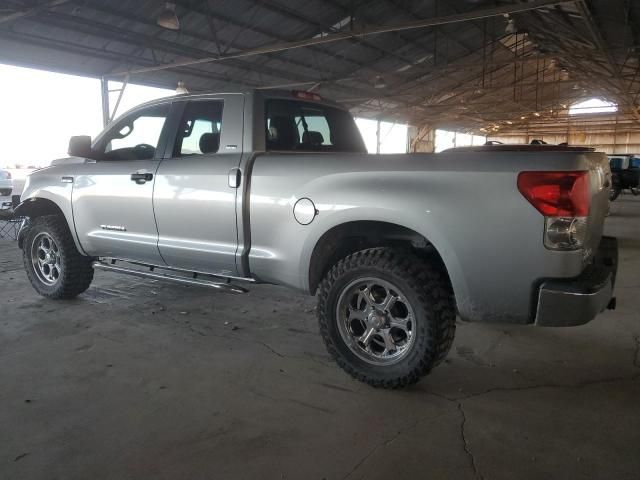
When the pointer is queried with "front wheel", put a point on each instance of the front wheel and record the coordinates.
(387, 317)
(53, 264)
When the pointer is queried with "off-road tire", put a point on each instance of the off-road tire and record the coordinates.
(429, 294)
(76, 272)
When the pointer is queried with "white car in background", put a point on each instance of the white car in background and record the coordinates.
(6, 183)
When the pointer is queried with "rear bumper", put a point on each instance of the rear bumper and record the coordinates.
(564, 303)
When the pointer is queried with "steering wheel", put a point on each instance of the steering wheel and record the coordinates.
(144, 151)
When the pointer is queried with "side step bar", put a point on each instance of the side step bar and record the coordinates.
(202, 282)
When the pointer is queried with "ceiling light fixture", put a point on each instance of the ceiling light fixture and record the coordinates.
(511, 28)
(181, 89)
(168, 18)
(379, 82)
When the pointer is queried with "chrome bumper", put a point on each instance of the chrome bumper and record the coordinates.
(565, 303)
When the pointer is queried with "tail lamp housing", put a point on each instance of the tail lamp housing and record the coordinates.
(563, 199)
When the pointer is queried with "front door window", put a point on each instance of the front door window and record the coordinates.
(136, 136)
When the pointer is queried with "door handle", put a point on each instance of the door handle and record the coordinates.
(235, 177)
(141, 178)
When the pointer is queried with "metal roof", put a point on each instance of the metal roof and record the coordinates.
(464, 63)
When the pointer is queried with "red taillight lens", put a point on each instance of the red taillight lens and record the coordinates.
(556, 194)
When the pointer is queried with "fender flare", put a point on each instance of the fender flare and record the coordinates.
(35, 207)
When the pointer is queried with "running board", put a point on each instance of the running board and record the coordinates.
(219, 285)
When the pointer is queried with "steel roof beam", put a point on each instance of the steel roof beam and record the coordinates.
(443, 20)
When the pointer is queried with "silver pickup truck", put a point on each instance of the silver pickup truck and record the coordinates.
(224, 190)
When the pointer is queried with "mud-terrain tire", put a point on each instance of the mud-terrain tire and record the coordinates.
(356, 322)
(53, 264)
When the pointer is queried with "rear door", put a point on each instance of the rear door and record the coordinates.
(113, 194)
(195, 190)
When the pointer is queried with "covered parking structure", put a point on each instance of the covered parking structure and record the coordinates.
(482, 67)
(136, 379)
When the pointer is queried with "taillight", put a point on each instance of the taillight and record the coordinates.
(556, 194)
(563, 198)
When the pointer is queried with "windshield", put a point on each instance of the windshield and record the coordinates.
(293, 125)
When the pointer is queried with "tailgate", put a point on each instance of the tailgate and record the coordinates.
(600, 183)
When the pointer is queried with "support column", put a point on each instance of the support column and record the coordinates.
(104, 93)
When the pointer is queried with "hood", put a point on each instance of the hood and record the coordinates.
(67, 161)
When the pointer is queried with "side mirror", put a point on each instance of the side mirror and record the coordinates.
(80, 146)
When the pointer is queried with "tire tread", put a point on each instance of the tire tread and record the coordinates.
(77, 274)
(433, 293)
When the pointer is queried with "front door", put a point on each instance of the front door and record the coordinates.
(194, 197)
(113, 194)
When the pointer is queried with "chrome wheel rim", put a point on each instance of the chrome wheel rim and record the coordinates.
(376, 321)
(45, 257)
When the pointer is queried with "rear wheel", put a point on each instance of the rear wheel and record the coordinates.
(53, 264)
(386, 316)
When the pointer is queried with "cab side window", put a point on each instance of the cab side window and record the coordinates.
(136, 136)
(199, 130)
(310, 127)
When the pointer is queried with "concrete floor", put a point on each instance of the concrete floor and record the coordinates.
(138, 380)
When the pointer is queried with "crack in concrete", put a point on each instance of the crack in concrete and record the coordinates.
(460, 400)
(384, 443)
(586, 383)
(270, 348)
(465, 443)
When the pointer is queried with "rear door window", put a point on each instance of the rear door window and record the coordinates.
(199, 130)
(293, 125)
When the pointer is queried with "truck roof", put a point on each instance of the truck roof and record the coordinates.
(300, 95)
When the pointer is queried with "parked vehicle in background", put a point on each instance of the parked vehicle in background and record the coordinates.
(625, 174)
(6, 183)
(277, 187)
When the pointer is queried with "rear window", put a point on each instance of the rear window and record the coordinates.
(635, 162)
(616, 163)
(293, 125)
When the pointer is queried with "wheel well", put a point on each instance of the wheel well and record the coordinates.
(37, 207)
(34, 208)
(351, 237)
